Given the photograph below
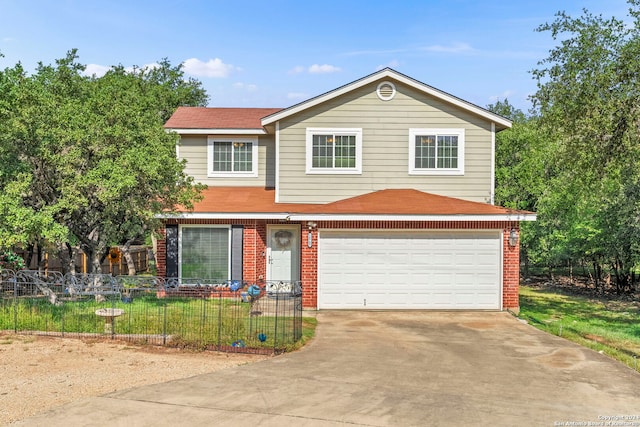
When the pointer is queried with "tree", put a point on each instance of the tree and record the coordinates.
(93, 151)
(522, 172)
(588, 91)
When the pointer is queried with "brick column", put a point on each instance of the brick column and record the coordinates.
(510, 272)
(254, 247)
(309, 270)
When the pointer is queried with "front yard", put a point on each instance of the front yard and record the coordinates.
(216, 323)
(607, 325)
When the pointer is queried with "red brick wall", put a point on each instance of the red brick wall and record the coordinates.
(254, 251)
(249, 261)
(309, 269)
(255, 243)
(510, 271)
(510, 261)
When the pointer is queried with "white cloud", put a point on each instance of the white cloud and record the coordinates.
(314, 69)
(96, 70)
(7, 39)
(213, 68)
(453, 48)
(297, 70)
(245, 86)
(391, 64)
(297, 95)
(322, 69)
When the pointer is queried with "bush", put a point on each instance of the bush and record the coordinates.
(11, 261)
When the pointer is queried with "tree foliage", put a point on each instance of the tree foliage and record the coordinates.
(85, 160)
(587, 109)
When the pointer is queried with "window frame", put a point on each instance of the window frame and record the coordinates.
(181, 227)
(211, 173)
(415, 132)
(311, 132)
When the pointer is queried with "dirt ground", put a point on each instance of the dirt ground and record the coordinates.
(38, 373)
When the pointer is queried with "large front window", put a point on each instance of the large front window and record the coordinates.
(436, 151)
(334, 150)
(204, 252)
(236, 157)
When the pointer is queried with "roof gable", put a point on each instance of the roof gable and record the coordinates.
(388, 73)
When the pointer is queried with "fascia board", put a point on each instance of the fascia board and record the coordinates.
(218, 131)
(345, 217)
(351, 217)
(225, 215)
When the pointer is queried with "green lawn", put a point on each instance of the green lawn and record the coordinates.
(612, 327)
(190, 322)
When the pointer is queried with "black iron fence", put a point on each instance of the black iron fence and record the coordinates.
(229, 316)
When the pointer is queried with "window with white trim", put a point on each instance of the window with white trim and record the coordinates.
(334, 151)
(436, 151)
(232, 157)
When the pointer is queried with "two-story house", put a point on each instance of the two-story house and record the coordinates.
(378, 194)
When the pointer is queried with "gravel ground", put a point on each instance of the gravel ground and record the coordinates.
(39, 373)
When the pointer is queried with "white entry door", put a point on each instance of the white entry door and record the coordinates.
(283, 253)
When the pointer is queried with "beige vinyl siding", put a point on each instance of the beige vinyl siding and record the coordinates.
(193, 148)
(385, 147)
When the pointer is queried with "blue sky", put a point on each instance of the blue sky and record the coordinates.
(277, 53)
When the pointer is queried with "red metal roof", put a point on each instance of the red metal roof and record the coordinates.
(383, 202)
(218, 118)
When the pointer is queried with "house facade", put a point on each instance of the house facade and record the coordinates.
(376, 195)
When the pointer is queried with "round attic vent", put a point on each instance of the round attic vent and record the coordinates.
(386, 91)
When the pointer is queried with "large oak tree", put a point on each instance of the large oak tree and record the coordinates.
(588, 102)
(85, 161)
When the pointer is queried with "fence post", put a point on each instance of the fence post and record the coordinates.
(15, 305)
(275, 329)
(219, 321)
(164, 323)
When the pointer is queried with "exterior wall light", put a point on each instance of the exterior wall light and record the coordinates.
(311, 226)
(513, 237)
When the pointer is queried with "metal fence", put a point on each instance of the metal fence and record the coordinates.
(228, 316)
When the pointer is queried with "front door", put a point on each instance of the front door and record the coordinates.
(283, 253)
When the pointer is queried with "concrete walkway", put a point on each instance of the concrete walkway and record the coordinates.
(389, 369)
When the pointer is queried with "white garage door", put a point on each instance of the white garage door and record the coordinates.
(409, 270)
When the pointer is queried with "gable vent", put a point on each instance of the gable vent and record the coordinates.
(386, 91)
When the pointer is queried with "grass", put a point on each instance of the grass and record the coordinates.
(308, 332)
(610, 327)
(194, 323)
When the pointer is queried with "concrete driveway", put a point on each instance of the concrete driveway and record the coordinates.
(390, 369)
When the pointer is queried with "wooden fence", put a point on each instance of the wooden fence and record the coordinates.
(142, 258)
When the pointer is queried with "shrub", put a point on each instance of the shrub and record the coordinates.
(11, 261)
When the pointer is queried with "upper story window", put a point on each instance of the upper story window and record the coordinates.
(436, 151)
(236, 157)
(334, 151)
